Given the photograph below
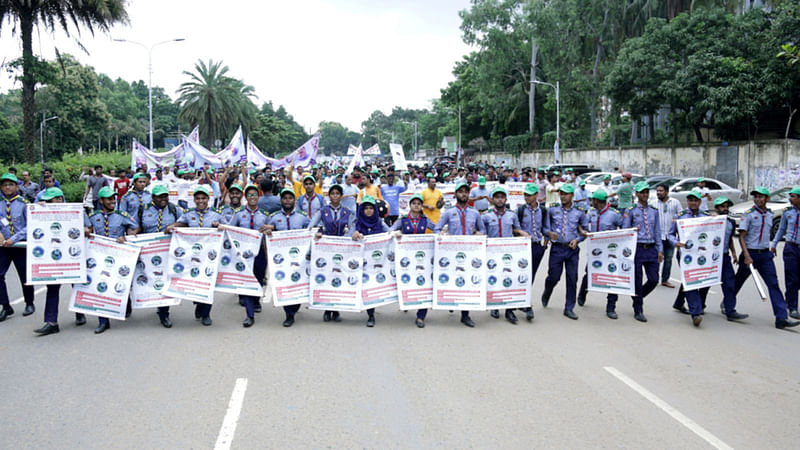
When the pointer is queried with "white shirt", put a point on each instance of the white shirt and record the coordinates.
(667, 211)
(704, 200)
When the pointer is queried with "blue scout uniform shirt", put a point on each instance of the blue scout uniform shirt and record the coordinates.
(672, 235)
(112, 225)
(131, 201)
(482, 204)
(453, 218)
(294, 221)
(310, 205)
(391, 195)
(533, 223)
(13, 221)
(245, 218)
(500, 224)
(646, 218)
(228, 212)
(155, 220)
(730, 225)
(334, 221)
(196, 218)
(411, 225)
(605, 219)
(581, 197)
(564, 222)
(758, 224)
(790, 225)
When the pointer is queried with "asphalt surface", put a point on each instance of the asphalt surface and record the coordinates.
(539, 384)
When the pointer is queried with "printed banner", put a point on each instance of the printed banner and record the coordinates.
(508, 273)
(235, 152)
(56, 247)
(516, 194)
(255, 158)
(150, 276)
(110, 267)
(610, 265)
(701, 258)
(459, 273)
(379, 285)
(374, 150)
(336, 272)
(402, 202)
(288, 266)
(398, 157)
(414, 267)
(193, 262)
(235, 273)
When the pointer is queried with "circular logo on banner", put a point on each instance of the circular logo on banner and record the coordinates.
(124, 271)
(295, 276)
(420, 280)
(177, 268)
(612, 247)
(88, 280)
(277, 259)
(492, 280)
(38, 252)
(597, 264)
(141, 280)
(626, 252)
(337, 259)
(236, 244)
(507, 259)
(522, 279)
(491, 264)
(336, 282)
(377, 255)
(247, 254)
(179, 252)
(109, 262)
(390, 256)
(320, 278)
(626, 266)
(405, 262)
(461, 257)
(294, 252)
(443, 278)
(119, 288)
(689, 244)
(701, 260)
(687, 259)
(522, 263)
(717, 240)
(612, 267)
(320, 262)
(715, 256)
(197, 248)
(209, 271)
(507, 282)
(155, 260)
(226, 244)
(225, 260)
(419, 256)
(240, 267)
(158, 285)
(212, 255)
(279, 275)
(38, 233)
(477, 263)
(444, 262)
(460, 281)
(702, 238)
(476, 279)
(55, 254)
(102, 286)
(90, 262)
(55, 228)
(194, 272)
(364, 278)
(73, 233)
(405, 278)
(597, 252)
(353, 264)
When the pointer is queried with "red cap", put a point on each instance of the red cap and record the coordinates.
(627, 175)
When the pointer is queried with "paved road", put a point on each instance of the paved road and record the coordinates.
(540, 384)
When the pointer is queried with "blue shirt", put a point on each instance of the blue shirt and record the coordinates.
(294, 221)
(452, 219)
(500, 224)
(269, 203)
(112, 225)
(334, 221)
(790, 220)
(605, 219)
(533, 222)
(310, 205)
(197, 218)
(155, 220)
(564, 222)
(581, 197)
(730, 225)
(649, 229)
(228, 211)
(131, 201)
(482, 204)
(391, 195)
(757, 224)
(349, 202)
(13, 222)
(672, 236)
(244, 218)
(410, 225)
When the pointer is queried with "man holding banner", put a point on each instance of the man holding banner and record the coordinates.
(728, 305)
(696, 298)
(136, 197)
(531, 217)
(649, 248)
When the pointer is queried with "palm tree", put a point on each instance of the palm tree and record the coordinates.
(52, 14)
(215, 102)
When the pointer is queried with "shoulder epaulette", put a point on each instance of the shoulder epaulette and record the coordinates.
(749, 210)
(653, 207)
(551, 205)
(302, 212)
(613, 209)
(768, 210)
(264, 211)
(122, 213)
(580, 208)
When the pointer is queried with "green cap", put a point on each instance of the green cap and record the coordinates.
(701, 179)
(139, 175)
(556, 173)
(531, 189)
(160, 189)
(181, 172)
(309, 177)
(582, 183)
(9, 177)
(202, 189)
(445, 174)
(499, 190)
(567, 188)
(337, 187)
(405, 172)
(368, 200)
(600, 194)
(287, 191)
(795, 190)
(375, 171)
(606, 177)
(429, 175)
(760, 190)
(51, 193)
(462, 184)
(569, 169)
(695, 193)
(641, 186)
(721, 200)
(235, 186)
(542, 169)
(106, 192)
(416, 197)
(481, 181)
(250, 186)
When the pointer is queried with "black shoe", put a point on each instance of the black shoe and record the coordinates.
(466, 320)
(326, 316)
(102, 327)
(197, 314)
(545, 300)
(165, 322)
(335, 316)
(511, 317)
(257, 308)
(127, 314)
(371, 321)
(80, 320)
(571, 314)
(681, 309)
(611, 315)
(29, 309)
(581, 300)
(48, 328)
(696, 320)
(529, 314)
(5, 313)
(736, 316)
(722, 308)
(206, 321)
(288, 322)
(495, 314)
(794, 314)
(248, 322)
(640, 317)
(420, 323)
(783, 323)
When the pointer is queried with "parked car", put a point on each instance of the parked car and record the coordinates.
(661, 180)
(616, 181)
(595, 177)
(716, 188)
(778, 203)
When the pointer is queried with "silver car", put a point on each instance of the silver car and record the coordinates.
(716, 188)
(778, 203)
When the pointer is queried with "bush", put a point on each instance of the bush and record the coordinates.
(516, 144)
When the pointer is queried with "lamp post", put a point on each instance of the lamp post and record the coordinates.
(150, 75)
(41, 137)
(558, 107)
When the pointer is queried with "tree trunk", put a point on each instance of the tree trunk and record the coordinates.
(532, 91)
(595, 70)
(651, 125)
(28, 85)
(789, 123)
(697, 134)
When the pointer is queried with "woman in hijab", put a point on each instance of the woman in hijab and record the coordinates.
(367, 222)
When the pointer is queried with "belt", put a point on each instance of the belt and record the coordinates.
(561, 244)
(758, 250)
(643, 245)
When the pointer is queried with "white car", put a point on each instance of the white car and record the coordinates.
(778, 203)
(680, 190)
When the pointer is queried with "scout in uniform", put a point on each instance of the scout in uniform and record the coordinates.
(414, 223)
(480, 196)
(227, 211)
(13, 227)
(649, 248)
(531, 217)
(111, 223)
(696, 298)
(310, 202)
(728, 305)
(368, 222)
(789, 227)
(754, 232)
(136, 197)
(602, 217)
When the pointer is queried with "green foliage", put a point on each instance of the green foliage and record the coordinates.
(276, 132)
(516, 144)
(10, 139)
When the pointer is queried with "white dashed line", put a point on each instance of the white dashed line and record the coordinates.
(228, 428)
(35, 293)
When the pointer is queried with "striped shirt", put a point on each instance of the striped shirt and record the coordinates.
(667, 211)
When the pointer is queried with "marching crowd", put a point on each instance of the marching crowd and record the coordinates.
(558, 213)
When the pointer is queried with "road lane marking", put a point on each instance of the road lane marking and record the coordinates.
(667, 408)
(228, 428)
(35, 293)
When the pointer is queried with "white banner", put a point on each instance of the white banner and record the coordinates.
(374, 150)
(414, 267)
(516, 194)
(379, 285)
(701, 257)
(508, 273)
(398, 157)
(193, 261)
(459, 273)
(610, 265)
(110, 267)
(56, 247)
(351, 150)
(235, 152)
(288, 266)
(235, 273)
(150, 276)
(336, 272)
(255, 158)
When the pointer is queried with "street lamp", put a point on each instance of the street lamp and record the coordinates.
(150, 76)
(558, 107)
(41, 137)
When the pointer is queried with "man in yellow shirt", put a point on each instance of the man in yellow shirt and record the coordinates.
(369, 189)
(432, 200)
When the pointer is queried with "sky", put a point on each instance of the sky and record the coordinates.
(323, 60)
